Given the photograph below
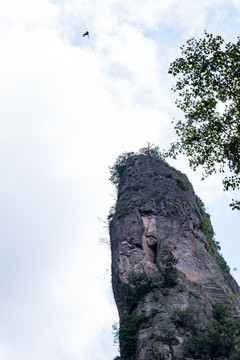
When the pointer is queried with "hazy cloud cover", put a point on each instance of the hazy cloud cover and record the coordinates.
(69, 106)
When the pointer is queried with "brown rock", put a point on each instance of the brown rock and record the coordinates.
(158, 215)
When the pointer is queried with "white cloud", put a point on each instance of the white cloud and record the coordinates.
(3, 353)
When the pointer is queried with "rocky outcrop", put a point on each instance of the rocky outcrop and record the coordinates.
(171, 286)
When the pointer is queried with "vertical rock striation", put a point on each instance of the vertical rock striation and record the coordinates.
(172, 288)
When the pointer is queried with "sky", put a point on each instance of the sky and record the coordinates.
(69, 106)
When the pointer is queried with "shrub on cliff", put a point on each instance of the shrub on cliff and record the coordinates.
(188, 319)
(120, 165)
(138, 286)
(124, 160)
(129, 326)
(221, 340)
(170, 272)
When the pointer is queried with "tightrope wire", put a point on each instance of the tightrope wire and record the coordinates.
(98, 62)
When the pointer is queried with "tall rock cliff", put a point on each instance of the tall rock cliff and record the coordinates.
(175, 295)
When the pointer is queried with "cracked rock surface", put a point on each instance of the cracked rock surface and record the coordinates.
(158, 215)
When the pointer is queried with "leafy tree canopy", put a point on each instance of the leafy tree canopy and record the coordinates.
(208, 87)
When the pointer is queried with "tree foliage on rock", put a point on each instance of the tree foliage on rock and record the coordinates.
(220, 340)
(125, 159)
(208, 85)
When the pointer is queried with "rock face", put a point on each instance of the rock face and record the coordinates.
(172, 287)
